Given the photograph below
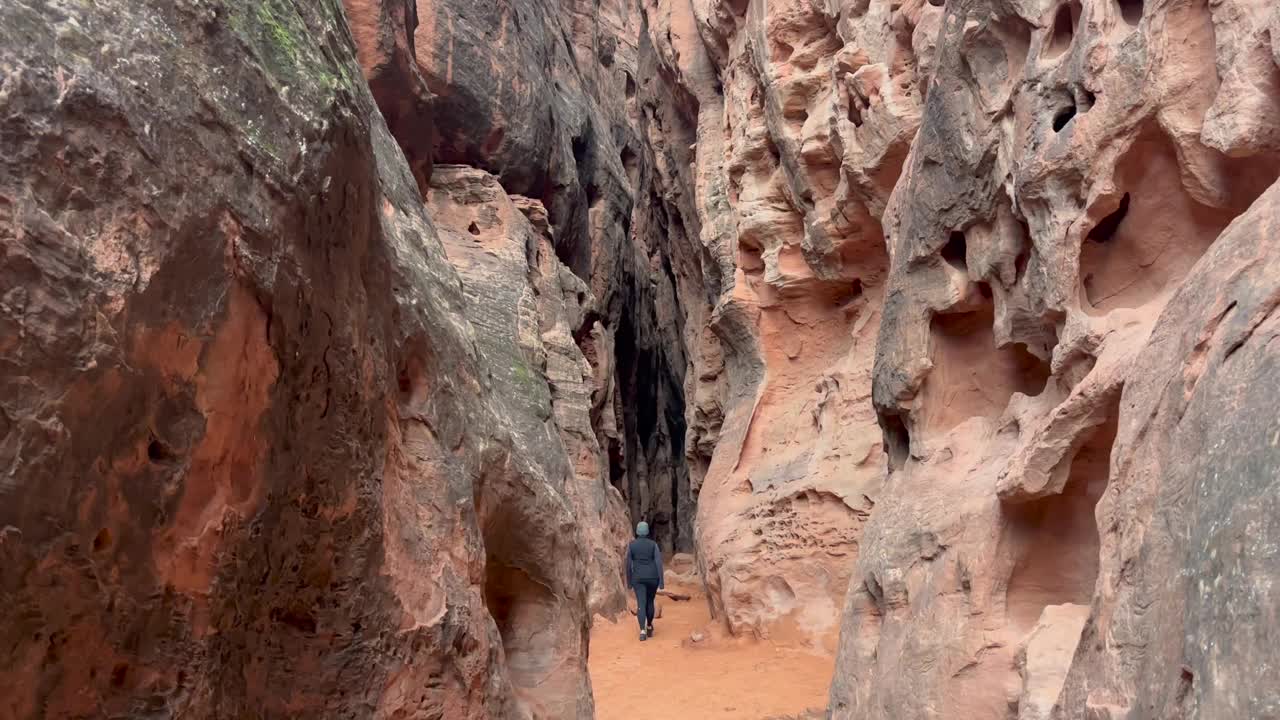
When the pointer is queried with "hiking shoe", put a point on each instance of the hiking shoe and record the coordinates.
(650, 631)
(643, 636)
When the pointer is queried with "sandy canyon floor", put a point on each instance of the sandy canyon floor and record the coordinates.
(671, 676)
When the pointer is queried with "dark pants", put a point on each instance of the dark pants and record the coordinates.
(646, 592)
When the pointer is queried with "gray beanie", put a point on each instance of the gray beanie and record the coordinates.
(642, 529)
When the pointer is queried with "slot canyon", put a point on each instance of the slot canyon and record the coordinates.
(343, 343)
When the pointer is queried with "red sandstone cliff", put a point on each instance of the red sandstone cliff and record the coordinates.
(990, 229)
(341, 346)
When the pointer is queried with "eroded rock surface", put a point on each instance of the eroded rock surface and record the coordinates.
(254, 462)
(542, 96)
(951, 227)
(527, 308)
(959, 316)
(784, 127)
(1070, 173)
(1183, 613)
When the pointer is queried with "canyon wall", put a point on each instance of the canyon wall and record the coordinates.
(266, 454)
(933, 350)
(541, 96)
(1073, 165)
(342, 344)
(784, 128)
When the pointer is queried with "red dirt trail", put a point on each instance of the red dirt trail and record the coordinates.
(724, 678)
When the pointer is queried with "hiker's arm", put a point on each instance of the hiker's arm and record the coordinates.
(628, 567)
(658, 551)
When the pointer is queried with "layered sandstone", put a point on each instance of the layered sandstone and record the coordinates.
(795, 121)
(993, 203)
(255, 463)
(527, 308)
(341, 346)
(1073, 166)
(542, 96)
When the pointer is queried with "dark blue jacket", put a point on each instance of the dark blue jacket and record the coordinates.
(644, 562)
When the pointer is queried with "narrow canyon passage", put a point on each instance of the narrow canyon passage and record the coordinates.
(344, 343)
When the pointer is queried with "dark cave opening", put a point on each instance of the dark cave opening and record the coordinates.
(1063, 116)
(897, 440)
(158, 453)
(955, 251)
(1131, 12)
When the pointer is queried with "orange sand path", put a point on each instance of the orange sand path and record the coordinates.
(671, 677)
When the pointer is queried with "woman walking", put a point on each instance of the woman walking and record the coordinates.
(644, 574)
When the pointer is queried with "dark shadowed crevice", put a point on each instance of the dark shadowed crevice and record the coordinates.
(158, 453)
(102, 541)
(571, 196)
(631, 165)
(617, 464)
(681, 505)
(1064, 116)
(954, 251)
(855, 114)
(897, 441)
(650, 469)
(1106, 228)
(1069, 103)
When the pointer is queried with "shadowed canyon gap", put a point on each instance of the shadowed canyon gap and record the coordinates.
(341, 345)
